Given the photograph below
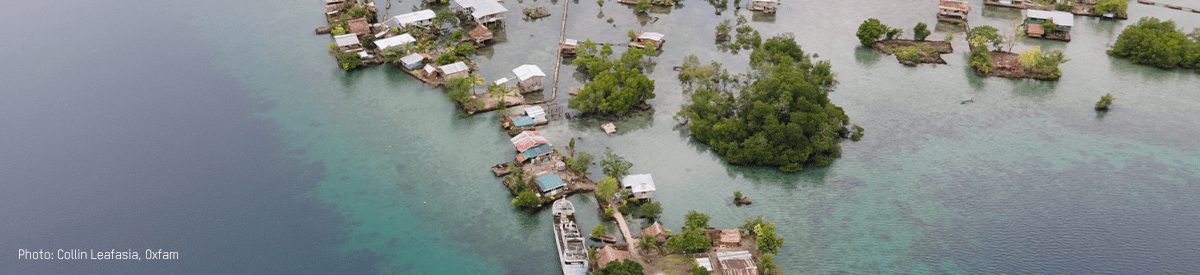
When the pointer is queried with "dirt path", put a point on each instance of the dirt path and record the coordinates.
(632, 242)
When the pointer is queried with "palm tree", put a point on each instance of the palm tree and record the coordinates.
(476, 80)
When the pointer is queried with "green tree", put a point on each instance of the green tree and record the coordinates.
(695, 220)
(723, 30)
(445, 58)
(392, 55)
(616, 86)
(652, 210)
(921, 31)
(870, 31)
(782, 117)
(459, 89)
(614, 166)
(348, 60)
(1113, 6)
(1159, 44)
(475, 80)
(527, 199)
(642, 6)
(624, 209)
(600, 230)
(624, 267)
(981, 58)
(737, 195)
(443, 17)
(893, 33)
(1049, 26)
(580, 163)
(358, 12)
(690, 241)
(989, 34)
(1104, 102)
(765, 236)
(766, 262)
(465, 49)
(647, 242)
(606, 188)
(699, 270)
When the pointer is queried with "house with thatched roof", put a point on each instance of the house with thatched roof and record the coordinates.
(608, 253)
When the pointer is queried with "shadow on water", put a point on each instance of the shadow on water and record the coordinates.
(634, 121)
(1037, 90)
(867, 56)
(660, 10)
(810, 176)
(1001, 13)
(762, 17)
(529, 223)
(1100, 114)
(946, 27)
(1150, 73)
(348, 79)
(977, 82)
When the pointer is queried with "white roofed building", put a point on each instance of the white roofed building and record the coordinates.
(529, 78)
(418, 18)
(403, 40)
(347, 42)
(641, 185)
(481, 11)
(456, 69)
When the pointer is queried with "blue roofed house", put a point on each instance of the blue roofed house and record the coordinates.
(551, 184)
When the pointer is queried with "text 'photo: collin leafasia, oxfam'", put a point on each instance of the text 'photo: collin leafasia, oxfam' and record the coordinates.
(92, 254)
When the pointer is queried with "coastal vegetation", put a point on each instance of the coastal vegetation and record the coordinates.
(599, 230)
(908, 52)
(616, 85)
(768, 243)
(1113, 6)
(614, 166)
(651, 210)
(1105, 101)
(1158, 43)
(921, 31)
(871, 30)
(348, 60)
(1033, 63)
(777, 115)
(623, 267)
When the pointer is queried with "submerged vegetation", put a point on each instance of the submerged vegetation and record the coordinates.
(777, 115)
(1105, 101)
(1159, 44)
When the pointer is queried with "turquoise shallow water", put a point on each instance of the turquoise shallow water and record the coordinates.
(1029, 179)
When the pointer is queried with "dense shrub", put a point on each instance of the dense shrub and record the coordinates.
(1159, 44)
(870, 31)
(1114, 6)
(921, 31)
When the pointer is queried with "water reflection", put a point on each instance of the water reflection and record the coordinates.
(1037, 90)
(1100, 114)
(994, 12)
(635, 120)
(867, 56)
(977, 82)
(810, 176)
(762, 17)
(946, 27)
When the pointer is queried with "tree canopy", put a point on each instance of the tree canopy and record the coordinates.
(921, 31)
(1159, 44)
(691, 241)
(651, 210)
(459, 88)
(615, 166)
(695, 220)
(527, 199)
(1113, 6)
(617, 84)
(606, 187)
(989, 34)
(624, 267)
(777, 115)
(870, 31)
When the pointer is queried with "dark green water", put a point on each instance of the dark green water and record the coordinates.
(1029, 179)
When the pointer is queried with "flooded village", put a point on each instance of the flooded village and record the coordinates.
(540, 176)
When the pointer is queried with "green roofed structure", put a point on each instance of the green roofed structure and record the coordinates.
(550, 182)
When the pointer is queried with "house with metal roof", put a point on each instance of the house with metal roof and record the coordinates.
(567, 47)
(550, 183)
(456, 69)
(1020, 4)
(403, 40)
(412, 61)
(429, 70)
(529, 78)
(528, 139)
(347, 42)
(422, 18)
(737, 263)
(647, 38)
(765, 6)
(953, 11)
(481, 11)
(522, 121)
(641, 185)
(1060, 24)
(705, 263)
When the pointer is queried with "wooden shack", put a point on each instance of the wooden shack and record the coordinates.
(529, 78)
(647, 38)
(953, 11)
(481, 34)
(1061, 22)
(765, 6)
(608, 253)
(1019, 4)
(567, 47)
(359, 27)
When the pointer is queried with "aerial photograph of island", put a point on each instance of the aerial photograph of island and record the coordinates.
(614, 137)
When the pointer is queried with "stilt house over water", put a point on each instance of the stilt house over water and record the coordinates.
(953, 11)
(529, 78)
(480, 11)
(1059, 27)
(1020, 4)
(646, 38)
(402, 41)
(641, 185)
(456, 69)
(765, 6)
(347, 42)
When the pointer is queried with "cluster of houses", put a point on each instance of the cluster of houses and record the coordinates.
(955, 11)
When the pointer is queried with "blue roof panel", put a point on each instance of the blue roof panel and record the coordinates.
(522, 121)
(550, 181)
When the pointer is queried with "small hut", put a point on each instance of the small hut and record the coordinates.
(737, 262)
(360, 27)
(429, 71)
(537, 114)
(403, 41)
(1061, 22)
(567, 47)
(953, 11)
(765, 6)
(608, 253)
(456, 69)
(421, 18)
(725, 238)
(609, 128)
(347, 42)
(641, 185)
(481, 34)
(480, 11)
(655, 231)
(647, 38)
(412, 61)
(529, 78)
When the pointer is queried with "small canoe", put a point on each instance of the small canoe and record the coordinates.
(604, 238)
(972, 100)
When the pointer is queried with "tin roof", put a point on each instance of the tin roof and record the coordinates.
(486, 7)
(429, 68)
(550, 181)
(651, 35)
(346, 39)
(737, 263)
(1060, 18)
(502, 80)
(413, 17)
(954, 5)
(526, 71)
(571, 42)
(731, 236)
(639, 183)
(411, 59)
(704, 262)
(528, 139)
(540, 149)
(454, 67)
(393, 41)
(522, 121)
(535, 111)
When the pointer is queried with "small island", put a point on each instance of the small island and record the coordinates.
(1158, 43)
(1032, 64)
(908, 52)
